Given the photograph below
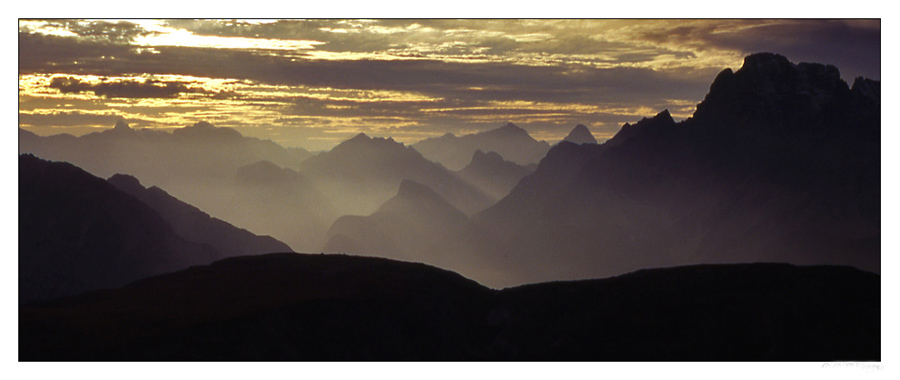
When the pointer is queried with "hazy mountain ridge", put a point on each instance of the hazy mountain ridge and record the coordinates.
(195, 225)
(195, 164)
(334, 307)
(417, 224)
(362, 173)
(492, 174)
(510, 141)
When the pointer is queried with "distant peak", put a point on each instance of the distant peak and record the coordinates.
(121, 125)
(511, 128)
(580, 135)
(359, 137)
(203, 124)
(204, 129)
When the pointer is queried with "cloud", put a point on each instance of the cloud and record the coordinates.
(68, 119)
(148, 88)
(378, 72)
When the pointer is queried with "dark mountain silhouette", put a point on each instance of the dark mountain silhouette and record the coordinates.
(362, 173)
(580, 135)
(195, 225)
(282, 201)
(79, 233)
(417, 225)
(492, 174)
(510, 141)
(195, 164)
(335, 307)
(780, 162)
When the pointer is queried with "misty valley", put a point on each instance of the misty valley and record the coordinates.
(750, 231)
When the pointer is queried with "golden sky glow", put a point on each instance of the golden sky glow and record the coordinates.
(313, 83)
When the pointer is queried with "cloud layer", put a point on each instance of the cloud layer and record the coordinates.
(330, 79)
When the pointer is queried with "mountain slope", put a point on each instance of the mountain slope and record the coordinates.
(780, 162)
(334, 307)
(362, 173)
(417, 225)
(195, 225)
(492, 174)
(78, 233)
(284, 202)
(196, 164)
(510, 141)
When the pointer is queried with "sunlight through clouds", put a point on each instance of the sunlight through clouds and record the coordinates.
(429, 76)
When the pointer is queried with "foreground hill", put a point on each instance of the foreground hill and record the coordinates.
(334, 307)
(780, 162)
(510, 141)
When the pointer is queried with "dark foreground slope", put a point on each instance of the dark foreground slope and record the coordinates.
(78, 232)
(335, 307)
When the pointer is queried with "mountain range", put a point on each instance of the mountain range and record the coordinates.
(748, 231)
(510, 141)
(363, 172)
(780, 162)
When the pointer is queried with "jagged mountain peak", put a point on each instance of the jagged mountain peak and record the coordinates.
(661, 122)
(121, 125)
(580, 135)
(509, 129)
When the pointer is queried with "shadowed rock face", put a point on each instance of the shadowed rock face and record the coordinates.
(335, 307)
(78, 233)
(780, 162)
(510, 141)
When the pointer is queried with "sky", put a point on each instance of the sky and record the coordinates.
(315, 82)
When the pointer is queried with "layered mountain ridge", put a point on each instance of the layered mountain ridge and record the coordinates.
(510, 141)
